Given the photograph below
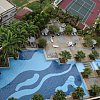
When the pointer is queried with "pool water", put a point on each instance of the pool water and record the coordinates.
(95, 64)
(32, 73)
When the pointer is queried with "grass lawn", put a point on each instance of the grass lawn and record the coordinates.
(20, 3)
(34, 5)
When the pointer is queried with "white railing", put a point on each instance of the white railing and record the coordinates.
(56, 2)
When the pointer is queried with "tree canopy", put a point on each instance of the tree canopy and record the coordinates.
(37, 97)
(65, 54)
(79, 92)
(80, 55)
(59, 95)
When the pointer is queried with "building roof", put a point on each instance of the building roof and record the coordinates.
(5, 5)
(56, 2)
(22, 12)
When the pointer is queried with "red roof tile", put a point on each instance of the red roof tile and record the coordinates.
(22, 12)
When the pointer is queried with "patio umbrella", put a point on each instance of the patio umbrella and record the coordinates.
(31, 39)
(94, 41)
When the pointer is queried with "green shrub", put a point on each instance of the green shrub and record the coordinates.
(37, 97)
(53, 29)
(68, 29)
(91, 56)
(88, 40)
(34, 6)
(42, 43)
(59, 95)
(95, 90)
(94, 55)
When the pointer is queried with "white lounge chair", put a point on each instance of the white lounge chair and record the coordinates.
(51, 39)
(70, 44)
(55, 46)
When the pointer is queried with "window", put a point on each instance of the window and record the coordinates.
(0, 19)
(5, 16)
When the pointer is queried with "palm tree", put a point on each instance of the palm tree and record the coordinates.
(32, 30)
(59, 95)
(10, 43)
(94, 55)
(95, 90)
(80, 55)
(14, 37)
(37, 97)
(65, 55)
(24, 28)
(41, 18)
(12, 98)
(87, 72)
(79, 93)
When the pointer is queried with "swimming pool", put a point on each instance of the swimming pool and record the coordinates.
(95, 64)
(32, 73)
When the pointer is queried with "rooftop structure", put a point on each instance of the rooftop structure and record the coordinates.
(5, 5)
(7, 11)
(23, 12)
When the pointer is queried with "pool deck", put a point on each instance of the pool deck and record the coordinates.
(61, 41)
(37, 75)
(93, 79)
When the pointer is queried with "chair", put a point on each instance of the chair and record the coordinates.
(55, 46)
(51, 39)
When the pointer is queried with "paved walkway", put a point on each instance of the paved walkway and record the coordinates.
(30, 1)
(62, 42)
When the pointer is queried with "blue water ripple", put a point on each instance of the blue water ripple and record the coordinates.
(28, 81)
(31, 91)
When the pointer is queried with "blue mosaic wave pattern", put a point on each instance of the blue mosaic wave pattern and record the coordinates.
(36, 75)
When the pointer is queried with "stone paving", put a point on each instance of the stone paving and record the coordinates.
(93, 79)
(62, 42)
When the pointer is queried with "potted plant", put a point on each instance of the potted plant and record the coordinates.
(93, 55)
(65, 55)
(87, 72)
(78, 93)
(79, 56)
(37, 97)
(95, 90)
(59, 95)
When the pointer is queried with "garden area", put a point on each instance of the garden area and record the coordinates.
(34, 5)
(85, 42)
(20, 3)
(51, 29)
